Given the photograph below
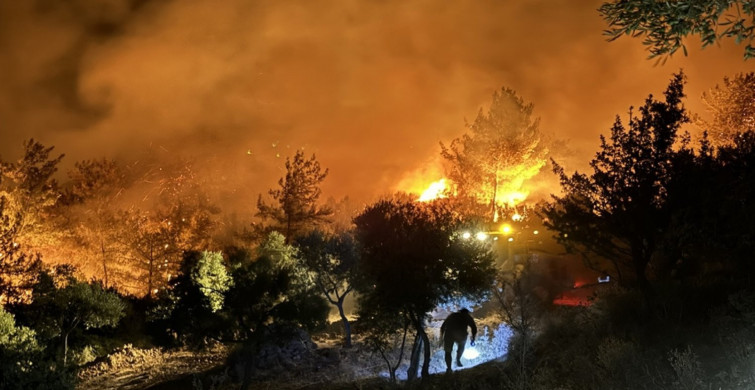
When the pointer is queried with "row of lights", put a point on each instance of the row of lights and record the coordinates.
(505, 229)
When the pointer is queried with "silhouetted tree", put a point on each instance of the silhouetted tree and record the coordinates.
(414, 258)
(297, 197)
(713, 195)
(503, 148)
(619, 212)
(664, 25)
(332, 261)
(736, 187)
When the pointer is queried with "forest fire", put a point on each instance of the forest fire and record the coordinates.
(258, 194)
(436, 190)
(512, 198)
(442, 189)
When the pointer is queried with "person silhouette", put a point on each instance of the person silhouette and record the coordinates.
(454, 331)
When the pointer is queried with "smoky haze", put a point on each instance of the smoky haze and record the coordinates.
(370, 86)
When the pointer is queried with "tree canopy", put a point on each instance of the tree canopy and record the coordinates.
(332, 261)
(60, 309)
(158, 239)
(192, 307)
(414, 257)
(22, 360)
(88, 214)
(212, 278)
(17, 269)
(665, 24)
(273, 289)
(31, 192)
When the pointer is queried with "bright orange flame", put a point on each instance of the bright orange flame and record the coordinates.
(512, 198)
(435, 190)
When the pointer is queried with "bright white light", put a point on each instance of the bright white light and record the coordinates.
(511, 239)
(482, 236)
(470, 353)
(466, 235)
(516, 217)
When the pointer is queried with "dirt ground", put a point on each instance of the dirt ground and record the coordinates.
(133, 368)
(324, 362)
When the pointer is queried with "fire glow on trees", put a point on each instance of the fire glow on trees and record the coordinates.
(491, 162)
(443, 188)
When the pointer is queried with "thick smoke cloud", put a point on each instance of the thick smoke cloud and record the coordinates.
(369, 86)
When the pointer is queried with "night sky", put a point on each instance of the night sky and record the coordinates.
(371, 87)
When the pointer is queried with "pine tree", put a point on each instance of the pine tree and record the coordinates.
(503, 148)
(297, 210)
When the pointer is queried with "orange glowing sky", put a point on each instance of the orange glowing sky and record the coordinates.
(370, 86)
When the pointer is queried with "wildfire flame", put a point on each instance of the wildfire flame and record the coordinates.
(435, 190)
(439, 189)
(512, 198)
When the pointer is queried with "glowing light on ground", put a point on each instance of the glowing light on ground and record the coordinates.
(470, 353)
(436, 190)
(491, 343)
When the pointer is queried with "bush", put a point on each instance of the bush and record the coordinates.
(24, 363)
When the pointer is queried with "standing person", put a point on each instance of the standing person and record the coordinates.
(454, 331)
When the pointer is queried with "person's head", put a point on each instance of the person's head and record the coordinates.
(464, 310)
